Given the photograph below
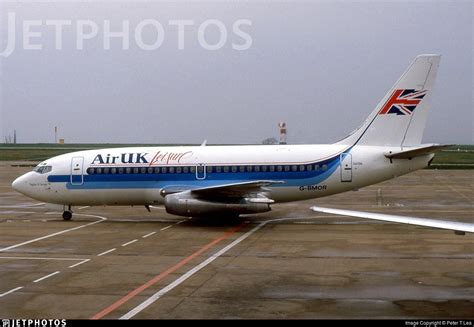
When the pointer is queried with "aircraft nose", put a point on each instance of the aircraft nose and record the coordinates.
(20, 184)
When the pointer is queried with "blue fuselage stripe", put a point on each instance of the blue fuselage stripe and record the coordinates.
(146, 180)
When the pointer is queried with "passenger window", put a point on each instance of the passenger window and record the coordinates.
(234, 169)
(113, 170)
(178, 170)
(209, 169)
(325, 167)
(185, 170)
(192, 169)
(264, 168)
(279, 168)
(128, 170)
(241, 169)
(249, 169)
(106, 170)
(164, 170)
(90, 171)
(226, 169)
(150, 170)
(309, 167)
(143, 170)
(257, 169)
(294, 168)
(156, 170)
(171, 170)
(120, 170)
(272, 168)
(218, 169)
(135, 170)
(99, 171)
(301, 168)
(316, 167)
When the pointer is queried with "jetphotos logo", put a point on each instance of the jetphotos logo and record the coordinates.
(147, 34)
(33, 323)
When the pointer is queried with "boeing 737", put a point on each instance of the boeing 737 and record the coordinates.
(232, 180)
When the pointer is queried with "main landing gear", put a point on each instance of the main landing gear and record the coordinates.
(67, 215)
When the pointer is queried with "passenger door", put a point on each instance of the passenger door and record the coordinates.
(77, 174)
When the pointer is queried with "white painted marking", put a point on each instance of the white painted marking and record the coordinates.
(43, 258)
(84, 207)
(181, 221)
(197, 268)
(25, 205)
(128, 243)
(165, 228)
(79, 263)
(108, 251)
(57, 233)
(191, 272)
(149, 234)
(47, 276)
(11, 291)
(9, 212)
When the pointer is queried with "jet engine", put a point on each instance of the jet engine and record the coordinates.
(185, 204)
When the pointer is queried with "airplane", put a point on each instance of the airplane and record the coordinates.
(195, 181)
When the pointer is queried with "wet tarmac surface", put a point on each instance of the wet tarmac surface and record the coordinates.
(123, 262)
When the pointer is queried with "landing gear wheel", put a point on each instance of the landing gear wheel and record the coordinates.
(67, 215)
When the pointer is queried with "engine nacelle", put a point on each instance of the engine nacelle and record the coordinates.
(184, 204)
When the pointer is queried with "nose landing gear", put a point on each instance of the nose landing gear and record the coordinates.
(67, 215)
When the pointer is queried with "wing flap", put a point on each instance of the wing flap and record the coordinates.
(443, 224)
(421, 151)
(236, 189)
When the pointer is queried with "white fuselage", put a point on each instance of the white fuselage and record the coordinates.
(137, 176)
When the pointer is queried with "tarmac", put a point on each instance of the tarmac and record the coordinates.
(123, 262)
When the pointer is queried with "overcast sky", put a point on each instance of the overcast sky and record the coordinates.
(320, 66)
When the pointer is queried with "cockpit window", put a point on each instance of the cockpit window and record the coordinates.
(43, 169)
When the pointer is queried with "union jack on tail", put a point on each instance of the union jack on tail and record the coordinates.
(403, 102)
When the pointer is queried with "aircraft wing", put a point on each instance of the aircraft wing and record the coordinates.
(240, 189)
(222, 191)
(416, 152)
(444, 224)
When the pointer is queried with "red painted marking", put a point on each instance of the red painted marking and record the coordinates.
(165, 273)
(394, 99)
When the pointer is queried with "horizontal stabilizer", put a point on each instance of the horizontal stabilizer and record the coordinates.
(443, 224)
(416, 152)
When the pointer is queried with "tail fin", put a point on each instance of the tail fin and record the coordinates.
(400, 118)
